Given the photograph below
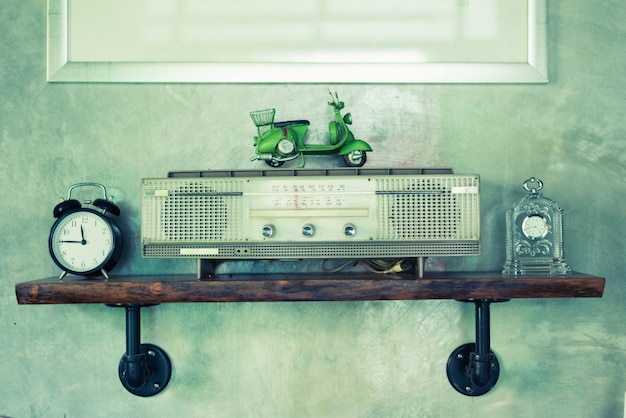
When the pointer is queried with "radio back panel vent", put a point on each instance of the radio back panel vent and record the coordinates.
(340, 213)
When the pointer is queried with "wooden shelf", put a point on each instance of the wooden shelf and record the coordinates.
(304, 287)
(472, 368)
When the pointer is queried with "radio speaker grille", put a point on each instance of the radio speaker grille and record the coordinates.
(427, 209)
(192, 211)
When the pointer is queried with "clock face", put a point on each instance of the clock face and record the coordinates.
(82, 242)
(535, 226)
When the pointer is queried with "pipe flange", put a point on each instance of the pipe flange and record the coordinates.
(462, 367)
(158, 371)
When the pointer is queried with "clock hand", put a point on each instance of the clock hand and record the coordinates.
(81, 241)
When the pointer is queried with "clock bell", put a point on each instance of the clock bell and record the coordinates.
(534, 235)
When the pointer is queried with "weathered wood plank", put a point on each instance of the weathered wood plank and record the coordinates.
(304, 287)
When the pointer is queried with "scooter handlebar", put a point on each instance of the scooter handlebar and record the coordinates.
(337, 105)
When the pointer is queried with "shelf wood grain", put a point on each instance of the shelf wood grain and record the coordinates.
(155, 289)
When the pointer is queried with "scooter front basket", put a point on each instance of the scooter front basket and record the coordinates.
(263, 117)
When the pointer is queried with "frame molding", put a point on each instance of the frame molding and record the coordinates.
(61, 70)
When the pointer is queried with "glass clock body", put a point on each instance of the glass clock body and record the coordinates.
(85, 242)
(534, 236)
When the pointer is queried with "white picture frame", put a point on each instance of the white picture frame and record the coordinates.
(61, 68)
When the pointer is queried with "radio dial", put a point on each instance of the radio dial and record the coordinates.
(268, 231)
(349, 230)
(308, 230)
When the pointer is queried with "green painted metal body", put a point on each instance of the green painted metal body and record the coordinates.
(278, 142)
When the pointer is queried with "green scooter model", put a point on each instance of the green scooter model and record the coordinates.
(278, 142)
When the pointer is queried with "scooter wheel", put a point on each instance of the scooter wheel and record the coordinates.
(355, 158)
(274, 163)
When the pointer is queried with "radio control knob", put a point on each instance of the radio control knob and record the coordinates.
(349, 230)
(268, 231)
(308, 230)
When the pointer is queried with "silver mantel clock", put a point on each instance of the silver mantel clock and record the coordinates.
(534, 235)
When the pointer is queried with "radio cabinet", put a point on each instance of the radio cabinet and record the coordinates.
(309, 213)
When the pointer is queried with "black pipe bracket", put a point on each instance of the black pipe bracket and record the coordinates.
(145, 369)
(473, 369)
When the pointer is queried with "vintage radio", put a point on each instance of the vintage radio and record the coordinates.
(311, 213)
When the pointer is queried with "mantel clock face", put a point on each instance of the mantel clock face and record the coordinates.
(534, 235)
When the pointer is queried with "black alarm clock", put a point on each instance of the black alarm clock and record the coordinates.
(85, 241)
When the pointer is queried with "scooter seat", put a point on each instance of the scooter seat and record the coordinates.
(291, 122)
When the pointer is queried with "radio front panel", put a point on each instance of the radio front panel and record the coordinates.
(343, 213)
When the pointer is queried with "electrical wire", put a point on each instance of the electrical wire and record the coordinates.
(375, 266)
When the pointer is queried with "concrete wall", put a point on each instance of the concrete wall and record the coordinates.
(559, 357)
